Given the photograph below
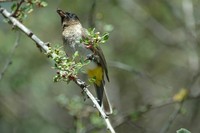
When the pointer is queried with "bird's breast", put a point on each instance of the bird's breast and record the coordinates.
(71, 40)
(71, 36)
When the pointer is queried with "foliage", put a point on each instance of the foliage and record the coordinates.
(24, 7)
(94, 39)
(153, 60)
(183, 130)
(69, 67)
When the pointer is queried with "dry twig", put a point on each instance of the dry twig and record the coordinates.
(9, 60)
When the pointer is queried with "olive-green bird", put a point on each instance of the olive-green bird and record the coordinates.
(71, 34)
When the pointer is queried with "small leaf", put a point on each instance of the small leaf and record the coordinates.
(105, 36)
(56, 78)
(14, 7)
(182, 130)
(29, 8)
(92, 31)
(81, 40)
(103, 41)
(86, 41)
(30, 11)
(92, 80)
(43, 4)
(136, 115)
(75, 55)
(34, 1)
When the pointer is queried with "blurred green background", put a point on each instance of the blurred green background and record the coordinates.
(152, 53)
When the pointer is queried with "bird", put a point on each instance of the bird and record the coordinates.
(72, 33)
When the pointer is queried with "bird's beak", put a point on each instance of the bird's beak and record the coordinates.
(61, 13)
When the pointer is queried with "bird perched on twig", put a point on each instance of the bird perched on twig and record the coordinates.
(72, 33)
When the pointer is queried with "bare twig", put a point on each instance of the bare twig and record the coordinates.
(83, 86)
(176, 112)
(132, 70)
(190, 31)
(46, 49)
(7, 0)
(135, 11)
(171, 119)
(9, 60)
(189, 17)
(91, 20)
(126, 67)
(121, 119)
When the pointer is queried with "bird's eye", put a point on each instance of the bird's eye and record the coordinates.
(64, 25)
(67, 17)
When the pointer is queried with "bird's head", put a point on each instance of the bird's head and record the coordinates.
(67, 18)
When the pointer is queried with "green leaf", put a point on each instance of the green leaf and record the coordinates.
(29, 8)
(103, 41)
(91, 31)
(14, 7)
(105, 36)
(136, 115)
(34, 1)
(183, 130)
(92, 80)
(86, 41)
(43, 4)
(75, 55)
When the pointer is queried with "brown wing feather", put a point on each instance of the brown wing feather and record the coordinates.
(102, 62)
(98, 51)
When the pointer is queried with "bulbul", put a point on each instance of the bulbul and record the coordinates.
(72, 33)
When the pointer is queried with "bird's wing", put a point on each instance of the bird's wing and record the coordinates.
(98, 51)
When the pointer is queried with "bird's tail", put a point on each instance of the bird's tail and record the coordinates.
(103, 98)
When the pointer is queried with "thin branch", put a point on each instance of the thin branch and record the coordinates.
(187, 6)
(14, 14)
(135, 11)
(126, 117)
(7, 0)
(126, 67)
(91, 19)
(46, 49)
(83, 86)
(172, 117)
(190, 26)
(191, 35)
(9, 60)
(132, 70)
